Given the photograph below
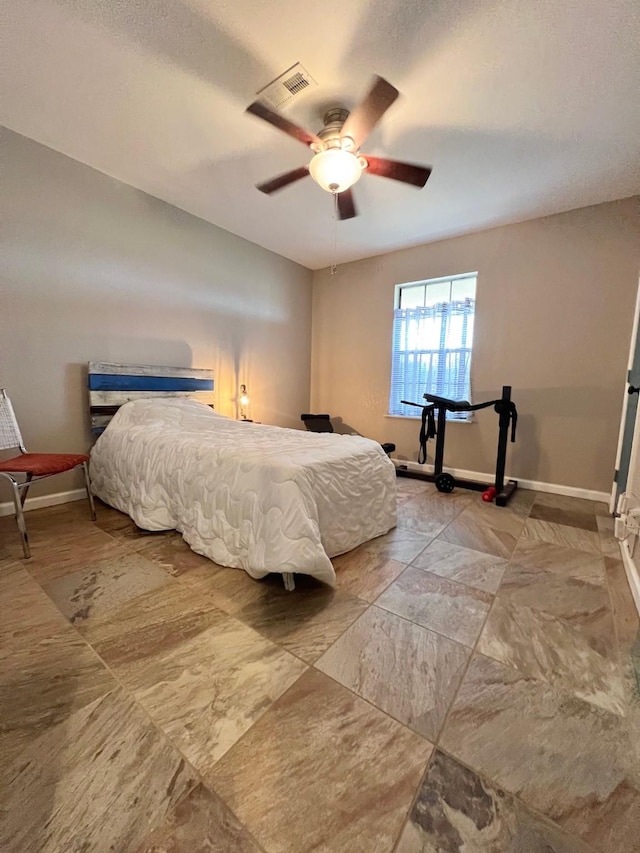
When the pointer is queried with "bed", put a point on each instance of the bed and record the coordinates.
(251, 496)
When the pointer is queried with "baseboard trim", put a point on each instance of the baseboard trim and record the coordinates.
(551, 488)
(632, 573)
(535, 485)
(42, 501)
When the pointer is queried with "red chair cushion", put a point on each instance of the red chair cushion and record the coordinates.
(42, 464)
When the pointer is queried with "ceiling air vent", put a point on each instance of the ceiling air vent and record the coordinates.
(287, 86)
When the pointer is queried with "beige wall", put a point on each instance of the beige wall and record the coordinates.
(555, 301)
(95, 270)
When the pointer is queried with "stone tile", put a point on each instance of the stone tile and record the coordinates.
(47, 671)
(609, 544)
(441, 507)
(625, 613)
(305, 622)
(559, 559)
(408, 488)
(26, 613)
(575, 763)
(174, 645)
(207, 689)
(482, 571)
(94, 781)
(521, 502)
(399, 544)
(118, 525)
(560, 534)
(452, 609)
(458, 810)
(401, 668)
(172, 553)
(485, 527)
(232, 589)
(569, 504)
(584, 605)
(99, 587)
(72, 518)
(429, 514)
(200, 822)
(322, 770)
(150, 624)
(572, 518)
(411, 516)
(543, 646)
(364, 573)
(8, 556)
(71, 551)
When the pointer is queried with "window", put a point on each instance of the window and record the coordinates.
(432, 337)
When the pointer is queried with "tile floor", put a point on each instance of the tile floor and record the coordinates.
(471, 685)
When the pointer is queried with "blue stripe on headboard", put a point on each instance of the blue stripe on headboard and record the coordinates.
(111, 382)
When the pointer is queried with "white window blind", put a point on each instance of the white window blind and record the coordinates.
(432, 347)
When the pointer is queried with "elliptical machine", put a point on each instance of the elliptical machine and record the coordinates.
(434, 421)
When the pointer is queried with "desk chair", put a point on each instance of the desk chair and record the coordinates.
(322, 423)
(32, 466)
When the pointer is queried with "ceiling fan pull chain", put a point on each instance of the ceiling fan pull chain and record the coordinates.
(334, 266)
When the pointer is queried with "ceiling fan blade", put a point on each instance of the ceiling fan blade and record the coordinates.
(366, 115)
(346, 205)
(408, 173)
(284, 180)
(258, 108)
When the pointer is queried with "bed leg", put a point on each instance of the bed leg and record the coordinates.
(289, 581)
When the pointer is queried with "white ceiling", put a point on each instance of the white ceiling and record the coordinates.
(522, 107)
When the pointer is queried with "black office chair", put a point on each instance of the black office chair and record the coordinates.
(322, 423)
(317, 423)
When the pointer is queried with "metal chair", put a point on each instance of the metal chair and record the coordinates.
(32, 466)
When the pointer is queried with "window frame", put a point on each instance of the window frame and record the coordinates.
(398, 288)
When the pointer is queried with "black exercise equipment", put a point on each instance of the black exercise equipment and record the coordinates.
(322, 423)
(434, 421)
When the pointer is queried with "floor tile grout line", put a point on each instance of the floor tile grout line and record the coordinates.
(369, 604)
(474, 650)
(616, 632)
(491, 781)
(164, 735)
(443, 726)
(463, 548)
(130, 694)
(375, 603)
(436, 744)
(120, 685)
(414, 799)
(368, 701)
(437, 577)
(560, 619)
(302, 660)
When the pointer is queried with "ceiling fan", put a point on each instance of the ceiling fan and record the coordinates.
(337, 162)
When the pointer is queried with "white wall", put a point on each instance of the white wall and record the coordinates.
(96, 270)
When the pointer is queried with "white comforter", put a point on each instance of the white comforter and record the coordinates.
(251, 496)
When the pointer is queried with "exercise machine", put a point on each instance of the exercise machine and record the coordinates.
(434, 421)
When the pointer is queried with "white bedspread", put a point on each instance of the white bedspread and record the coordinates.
(251, 496)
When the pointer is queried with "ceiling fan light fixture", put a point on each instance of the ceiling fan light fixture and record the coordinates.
(335, 169)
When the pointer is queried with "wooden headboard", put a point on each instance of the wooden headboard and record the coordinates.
(111, 385)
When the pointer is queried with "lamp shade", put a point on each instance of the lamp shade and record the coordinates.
(335, 170)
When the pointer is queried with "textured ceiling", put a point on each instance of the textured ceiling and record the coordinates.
(522, 108)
